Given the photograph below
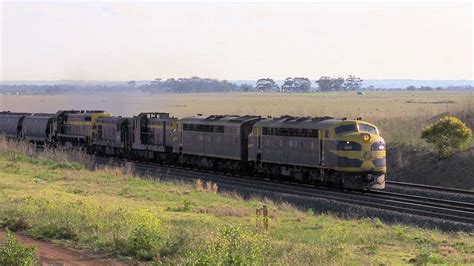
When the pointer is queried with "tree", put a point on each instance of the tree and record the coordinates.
(288, 85)
(301, 84)
(132, 83)
(324, 83)
(156, 83)
(296, 85)
(265, 85)
(449, 135)
(352, 83)
(247, 87)
(336, 84)
(411, 88)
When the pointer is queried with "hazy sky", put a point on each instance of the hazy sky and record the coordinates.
(123, 41)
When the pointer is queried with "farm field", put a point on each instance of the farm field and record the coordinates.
(400, 115)
(112, 212)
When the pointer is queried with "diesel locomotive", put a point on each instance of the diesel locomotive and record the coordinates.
(348, 154)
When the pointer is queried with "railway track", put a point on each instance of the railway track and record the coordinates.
(427, 187)
(422, 206)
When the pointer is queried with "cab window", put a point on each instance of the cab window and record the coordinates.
(367, 128)
(346, 129)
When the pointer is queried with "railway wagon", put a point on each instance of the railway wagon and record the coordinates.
(214, 142)
(38, 128)
(11, 123)
(323, 150)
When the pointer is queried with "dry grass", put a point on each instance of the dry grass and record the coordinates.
(400, 115)
(207, 186)
(225, 211)
(59, 154)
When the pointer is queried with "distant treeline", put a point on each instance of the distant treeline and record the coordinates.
(301, 84)
(187, 85)
(196, 85)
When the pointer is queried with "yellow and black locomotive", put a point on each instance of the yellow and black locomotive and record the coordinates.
(337, 152)
(349, 154)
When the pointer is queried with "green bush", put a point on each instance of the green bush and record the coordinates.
(449, 135)
(233, 246)
(424, 256)
(186, 207)
(14, 253)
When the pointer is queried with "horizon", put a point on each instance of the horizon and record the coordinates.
(282, 79)
(366, 83)
(122, 41)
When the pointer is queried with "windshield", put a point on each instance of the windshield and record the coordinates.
(367, 128)
(346, 129)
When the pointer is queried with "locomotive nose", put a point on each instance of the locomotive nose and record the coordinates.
(373, 152)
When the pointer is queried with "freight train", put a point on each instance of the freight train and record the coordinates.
(349, 154)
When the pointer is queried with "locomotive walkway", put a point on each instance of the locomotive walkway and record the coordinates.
(445, 209)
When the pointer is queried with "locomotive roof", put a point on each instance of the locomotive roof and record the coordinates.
(79, 113)
(111, 119)
(40, 115)
(13, 114)
(153, 115)
(72, 111)
(228, 120)
(299, 122)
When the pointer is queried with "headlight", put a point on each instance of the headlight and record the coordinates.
(367, 137)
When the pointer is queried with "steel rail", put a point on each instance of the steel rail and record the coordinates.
(458, 205)
(428, 187)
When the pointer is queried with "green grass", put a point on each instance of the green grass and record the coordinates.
(112, 212)
(14, 253)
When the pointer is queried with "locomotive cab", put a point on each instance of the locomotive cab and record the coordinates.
(361, 153)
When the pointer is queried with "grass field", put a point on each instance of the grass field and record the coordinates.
(400, 115)
(110, 211)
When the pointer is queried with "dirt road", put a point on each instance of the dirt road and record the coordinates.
(52, 254)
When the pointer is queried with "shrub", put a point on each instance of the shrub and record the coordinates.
(186, 207)
(233, 246)
(333, 239)
(133, 232)
(14, 253)
(449, 135)
(425, 256)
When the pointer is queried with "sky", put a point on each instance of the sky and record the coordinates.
(115, 40)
